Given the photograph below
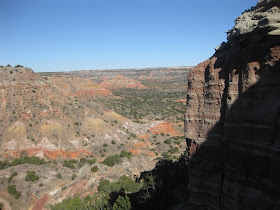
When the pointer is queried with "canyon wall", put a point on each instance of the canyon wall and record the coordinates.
(232, 118)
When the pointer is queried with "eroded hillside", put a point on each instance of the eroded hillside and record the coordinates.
(62, 134)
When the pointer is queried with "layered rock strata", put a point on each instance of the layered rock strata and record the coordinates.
(232, 118)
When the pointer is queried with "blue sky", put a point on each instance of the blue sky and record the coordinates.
(64, 35)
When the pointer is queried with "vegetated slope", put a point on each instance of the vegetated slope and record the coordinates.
(42, 120)
(60, 117)
(232, 117)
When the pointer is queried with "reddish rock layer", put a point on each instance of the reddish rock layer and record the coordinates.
(45, 153)
(165, 128)
(120, 81)
(232, 123)
(40, 203)
(78, 86)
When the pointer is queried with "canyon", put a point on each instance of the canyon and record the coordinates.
(203, 137)
(73, 121)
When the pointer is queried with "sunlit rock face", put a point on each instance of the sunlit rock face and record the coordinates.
(233, 116)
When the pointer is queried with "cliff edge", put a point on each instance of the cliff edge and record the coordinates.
(232, 118)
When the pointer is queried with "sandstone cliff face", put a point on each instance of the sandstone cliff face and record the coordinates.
(233, 116)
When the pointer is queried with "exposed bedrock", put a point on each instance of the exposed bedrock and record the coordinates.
(232, 120)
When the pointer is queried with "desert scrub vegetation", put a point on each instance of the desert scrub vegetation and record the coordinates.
(102, 200)
(12, 176)
(22, 160)
(71, 203)
(13, 191)
(69, 163)
(145, 104)
(124, 182)
(125, 154)
(94, 169)
(149, 191)
(31, 176)
(74, 176)
(122, 203)
(81, 162)
(59, 176)
(114, 159)
(88, 161)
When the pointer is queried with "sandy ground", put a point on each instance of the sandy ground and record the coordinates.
(6, 204)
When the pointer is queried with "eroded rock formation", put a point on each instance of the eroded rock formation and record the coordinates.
(233, 117)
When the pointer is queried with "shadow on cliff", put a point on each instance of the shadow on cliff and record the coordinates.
(237, 167)
(164, 187)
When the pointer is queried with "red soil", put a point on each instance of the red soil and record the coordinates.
(40, 203)
(46, 153)
(144, 136)
(142, 152)
(165, 128)
(141, 145)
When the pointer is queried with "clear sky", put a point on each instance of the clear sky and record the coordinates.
(64, 35)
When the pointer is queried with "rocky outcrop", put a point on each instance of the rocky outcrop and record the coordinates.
(258, 21)
(233, 116)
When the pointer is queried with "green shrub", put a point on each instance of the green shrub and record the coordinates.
(111, 160)
(113, 142)
(30, 160)
(70, 203)
(173, 150)
(125, 154)
(74, 176)
(31, 176)
(91, 161)
(13, 191)
(94, 169)
(104, 186)
(166, 156)
(69, 163)
(128, 184)
(105, 145)
(124, 182)
(167, 141)
(122, 203)
(59, 176)
(12, 175)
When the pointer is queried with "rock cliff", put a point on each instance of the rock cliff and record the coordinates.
(233, 116)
